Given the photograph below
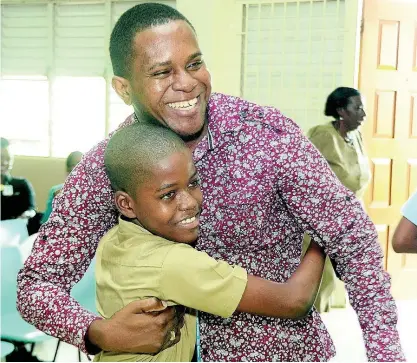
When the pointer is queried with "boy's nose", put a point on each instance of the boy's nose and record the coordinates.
(187, 201)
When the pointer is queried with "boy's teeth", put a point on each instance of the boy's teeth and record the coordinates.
(185, 105)
(188, 220)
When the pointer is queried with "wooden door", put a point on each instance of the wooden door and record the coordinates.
(388, 80)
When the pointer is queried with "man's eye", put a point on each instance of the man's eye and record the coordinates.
(195, 65)
(161, 73)
(168, 195)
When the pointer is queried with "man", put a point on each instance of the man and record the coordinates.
(405, 235)
(70, 163)
(264, 185)
(17, 194)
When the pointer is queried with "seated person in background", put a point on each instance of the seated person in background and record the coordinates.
(405, 235)
(340, 142)
(17, 194)
(149, 253)
(72, 160)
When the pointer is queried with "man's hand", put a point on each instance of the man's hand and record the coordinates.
(143, 326)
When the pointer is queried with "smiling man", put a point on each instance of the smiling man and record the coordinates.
(264, 185)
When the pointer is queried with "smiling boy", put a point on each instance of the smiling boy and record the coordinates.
(149, 254)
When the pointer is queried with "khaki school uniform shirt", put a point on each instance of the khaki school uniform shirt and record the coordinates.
(348, 161)
(134, 264)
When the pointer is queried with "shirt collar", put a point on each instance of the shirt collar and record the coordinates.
(126, 226)
(225, 114)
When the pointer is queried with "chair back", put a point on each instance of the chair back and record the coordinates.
(13, 231)
(11, 263)
(85, 290)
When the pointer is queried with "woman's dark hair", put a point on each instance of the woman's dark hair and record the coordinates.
(339, 98)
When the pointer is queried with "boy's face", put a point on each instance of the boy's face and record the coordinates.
(168, 203)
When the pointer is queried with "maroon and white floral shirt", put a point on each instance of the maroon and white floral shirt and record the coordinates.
(264, 184)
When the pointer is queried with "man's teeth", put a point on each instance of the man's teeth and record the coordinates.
(188, 220)
(184, 105)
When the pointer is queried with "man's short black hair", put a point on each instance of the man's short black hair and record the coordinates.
(133, 21)
(134, 150)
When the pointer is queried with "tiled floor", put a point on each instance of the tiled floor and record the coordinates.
(342, 325)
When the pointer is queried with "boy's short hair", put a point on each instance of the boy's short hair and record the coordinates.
(133, 150)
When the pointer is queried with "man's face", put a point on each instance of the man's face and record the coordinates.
(169, 79)
(6, 161)
(168, 203)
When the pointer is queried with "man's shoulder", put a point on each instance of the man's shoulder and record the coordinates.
(233, 111)
(18, 181)
(94, 158)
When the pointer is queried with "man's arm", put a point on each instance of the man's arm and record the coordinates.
(28, 194)
(67, 242)
(405, 237)
(333, 217)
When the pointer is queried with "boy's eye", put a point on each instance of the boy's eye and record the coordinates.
(168, 195)
(195, 183)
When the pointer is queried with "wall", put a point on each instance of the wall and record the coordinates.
(43, 173)
(219, 28)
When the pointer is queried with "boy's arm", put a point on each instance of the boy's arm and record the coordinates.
(194, 279)
(293, 299)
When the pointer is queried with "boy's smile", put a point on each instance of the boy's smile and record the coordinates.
(168, 202)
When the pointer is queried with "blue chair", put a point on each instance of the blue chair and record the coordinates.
(5, 349)
(84, 291)
(13, 328)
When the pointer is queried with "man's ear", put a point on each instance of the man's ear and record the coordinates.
(124, 204)
(122, 87)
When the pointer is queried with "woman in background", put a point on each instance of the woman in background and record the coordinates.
(341, 144)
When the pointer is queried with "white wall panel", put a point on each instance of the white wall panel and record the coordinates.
(293, 55)
(24, 39)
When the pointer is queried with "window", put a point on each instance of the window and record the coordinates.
(24, 108)
(78, 113)
(118, 110)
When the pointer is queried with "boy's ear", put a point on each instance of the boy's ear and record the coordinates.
(122, 87)
(124, 204)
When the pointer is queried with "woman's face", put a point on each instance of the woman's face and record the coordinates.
(353, 115)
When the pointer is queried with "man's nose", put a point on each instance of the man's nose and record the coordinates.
(184, 81)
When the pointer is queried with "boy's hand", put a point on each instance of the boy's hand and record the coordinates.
(143, 326)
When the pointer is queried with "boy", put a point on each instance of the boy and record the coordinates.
(149, 254)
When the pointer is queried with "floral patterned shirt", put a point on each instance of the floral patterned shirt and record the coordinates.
(264, 184)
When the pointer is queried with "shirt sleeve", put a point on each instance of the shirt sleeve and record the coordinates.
(409, 209)
(194, 279)
(66, 244)
(29, 196)
(333, 217)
